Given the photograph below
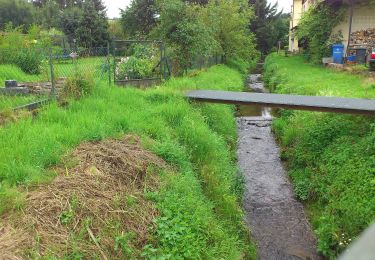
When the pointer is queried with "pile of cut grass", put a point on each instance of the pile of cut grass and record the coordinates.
(330, 157)
(200, 216)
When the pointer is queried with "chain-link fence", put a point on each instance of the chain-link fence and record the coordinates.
(202, 62)
(29, 76)
(22, 72)
(91, 62)
(140, 62)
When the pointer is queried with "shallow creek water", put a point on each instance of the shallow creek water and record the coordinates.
(277, 220)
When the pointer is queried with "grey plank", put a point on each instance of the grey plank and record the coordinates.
(311, 103)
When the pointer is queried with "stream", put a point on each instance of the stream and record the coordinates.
(276, 219)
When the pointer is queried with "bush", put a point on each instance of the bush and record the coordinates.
(315, 29)
(29, 60)
(78, 86)
(134, 68)
(240, 65)
(24, 51)
(138, 64)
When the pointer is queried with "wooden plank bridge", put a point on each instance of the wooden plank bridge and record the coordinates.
(311, 103)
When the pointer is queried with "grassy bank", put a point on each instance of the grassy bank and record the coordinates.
(199, 212)
(331, 157)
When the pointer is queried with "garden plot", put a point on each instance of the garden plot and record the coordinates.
(139, 64)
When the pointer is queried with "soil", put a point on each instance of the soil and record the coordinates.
(276, 219)
(97, 196)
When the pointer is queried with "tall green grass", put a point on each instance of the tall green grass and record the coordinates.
(200, 213)
(331, 157)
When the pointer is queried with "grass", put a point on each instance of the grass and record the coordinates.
(200, 214)
(294, 75)
(330, 156)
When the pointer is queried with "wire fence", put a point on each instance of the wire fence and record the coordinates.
(203, 62)
(34, 75)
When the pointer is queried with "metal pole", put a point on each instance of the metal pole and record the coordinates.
(350, 26)
(52, 94)
(165, 63)
(161, 59)
(109, 64)
(114, 61)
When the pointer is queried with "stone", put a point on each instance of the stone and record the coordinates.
(11, 84)
(13, 91)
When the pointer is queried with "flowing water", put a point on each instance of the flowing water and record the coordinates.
(277, 220)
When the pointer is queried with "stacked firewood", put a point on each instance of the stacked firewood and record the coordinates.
(363, 38)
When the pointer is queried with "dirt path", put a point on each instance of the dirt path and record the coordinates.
(277, 220)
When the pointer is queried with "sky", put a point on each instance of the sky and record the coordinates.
(114, 6)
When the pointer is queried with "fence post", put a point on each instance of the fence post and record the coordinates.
(165, 62)
(161, 59)
(52, 94)
(114, 46)
(109, 64)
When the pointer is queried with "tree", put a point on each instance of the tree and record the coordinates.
(139, 18)
(184, 30)
(265, 24)
(93, 27)
(69, 22)
(47, 14)
(87, 25)
(17, 12)
(228, 20)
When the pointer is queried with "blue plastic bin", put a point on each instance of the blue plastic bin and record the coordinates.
(338, 53)
(352, 58)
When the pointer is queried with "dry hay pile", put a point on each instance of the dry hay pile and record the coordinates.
(87, 206)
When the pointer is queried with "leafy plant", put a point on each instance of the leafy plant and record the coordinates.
(315, 29)
(134, 68)
(122, 243)
(68, 215)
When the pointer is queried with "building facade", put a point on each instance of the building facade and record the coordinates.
(358, 20)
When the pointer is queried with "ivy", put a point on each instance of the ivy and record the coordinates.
(315, 31)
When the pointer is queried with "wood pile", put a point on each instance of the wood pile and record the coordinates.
(363, 38)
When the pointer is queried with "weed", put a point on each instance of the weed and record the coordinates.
(122, 243)
(78, 86)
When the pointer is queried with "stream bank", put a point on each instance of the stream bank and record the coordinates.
(277, 220)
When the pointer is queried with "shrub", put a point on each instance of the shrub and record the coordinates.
(315, 28)
(29, 60)
(78, 86)
(139, 62)
(134, 68)
(240, 65)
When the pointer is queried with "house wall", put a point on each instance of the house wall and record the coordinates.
(295, 17)
(299, 7)
(363, 18)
